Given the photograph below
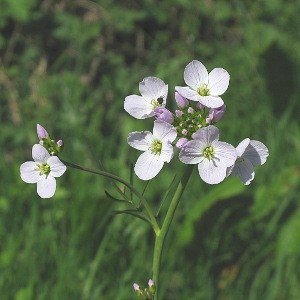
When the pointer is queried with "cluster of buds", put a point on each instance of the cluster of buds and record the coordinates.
(53, 147)
(146, 293)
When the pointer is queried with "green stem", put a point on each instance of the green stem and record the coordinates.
(131, 187)
(160, 236)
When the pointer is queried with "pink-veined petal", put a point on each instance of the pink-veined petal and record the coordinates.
(151, 88)
(195, 74)
(191, 153)
(28, 172)
(256, 152)
(148, 165)
(225, 152)
(167, 152)
(243, 168)
(212, 171)
(188, 93)
(241, 147)
(39, 153)
(46, 186)
(207, 134)
(140, 140)
(211, 101)
(164, 131)
(218, 81)
(57, 168)
(138, 107)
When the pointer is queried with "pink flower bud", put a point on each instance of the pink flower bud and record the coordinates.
(181, 142)
(184, 132)
(136, 287)
(60, 143)
(164, 114)
(215, 114)
(178, 113)
(150, 283)
(41, 132)
(190, 110)
(180, 100)
(200, 105)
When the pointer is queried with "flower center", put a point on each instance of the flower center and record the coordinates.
(44, 169)
(209, 152)
(156, 147)
(157, 102)
(203, 90)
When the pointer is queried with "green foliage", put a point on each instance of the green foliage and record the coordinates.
(68, 65)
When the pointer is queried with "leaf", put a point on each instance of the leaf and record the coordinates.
(115, 199)
(133, 212)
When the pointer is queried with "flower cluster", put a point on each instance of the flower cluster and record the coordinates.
(147, 293)
(200, 107)
(46, 166)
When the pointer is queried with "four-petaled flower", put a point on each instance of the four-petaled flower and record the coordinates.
(154, 94)
(203, 87)
(157, 146)
(42, 171)
(250, 153)
(212, 156)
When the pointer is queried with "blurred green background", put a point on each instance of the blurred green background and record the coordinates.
(68, 65)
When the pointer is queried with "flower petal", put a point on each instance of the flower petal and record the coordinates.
(191, 153)
(167, 152)
(148, 165)
(57, 168)
(225, 152)
(138, 107)
(195, 74)
(218, 81)
(164, 131)
(140, 140)
(188, 93)
(242, 146)
(39, 153)
(207, 134)
(212, 171)
(152, 88)
(211, 101)
(28, 172)
(243, 169)
(46, 186)
(256, 152)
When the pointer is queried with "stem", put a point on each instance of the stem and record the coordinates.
(160, 236)
(131, 187)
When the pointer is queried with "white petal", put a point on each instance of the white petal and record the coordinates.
(218, 81)
(242, 146)
(138, 107)
(140, 140)
(207, 134)
(152, 88)
(188, 93)
(195, 74)
(164, 131)
(212, 171)
(39, 153)
(191, 153)
(225, 152)
(244, 170)
(148, 165)
(28, 172)
(46, 186)
(211, 101)
(167, 152)
(256, 152)
(57, 168)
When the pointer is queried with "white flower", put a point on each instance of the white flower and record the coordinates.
(250, 153)
(203, 87)
(154, 94)
(157, 146)
(213, 157)
(42, 171)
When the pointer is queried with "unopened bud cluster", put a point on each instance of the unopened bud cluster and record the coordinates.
(146, 293)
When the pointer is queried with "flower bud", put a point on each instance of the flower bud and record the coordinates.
(180, 100)
(164, 114)
(190, 110)
(60, 143)
(178, 113)
(181, 142)
(200, 106)
(136, 287)
(215, 114)
(41, 132)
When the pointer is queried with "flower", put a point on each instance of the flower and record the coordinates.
(42, 171)
(203, 87)
(157, 149)
(213, 157)
(154, 94)
(250, 153)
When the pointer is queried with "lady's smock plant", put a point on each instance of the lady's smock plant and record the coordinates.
(190, 132)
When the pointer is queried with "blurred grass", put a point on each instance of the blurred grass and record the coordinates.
(68, 65)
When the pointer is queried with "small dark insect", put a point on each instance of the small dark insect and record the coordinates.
(160, 100)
